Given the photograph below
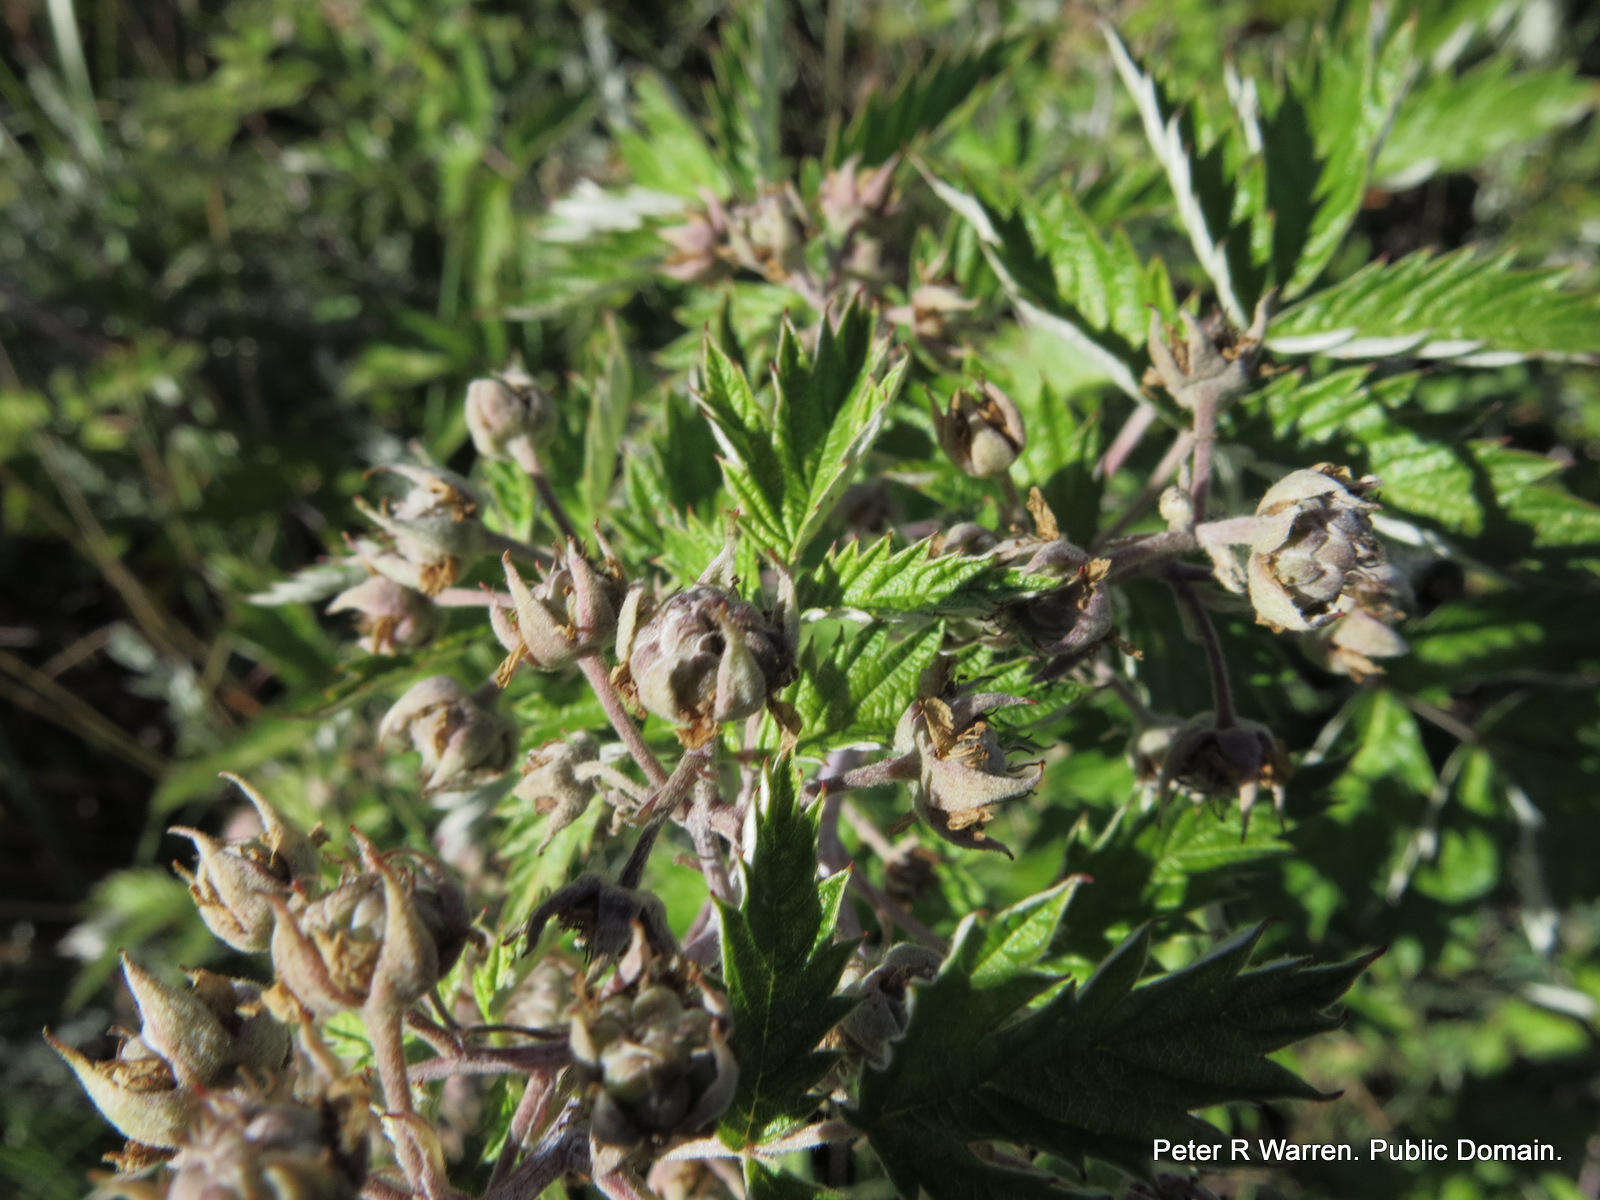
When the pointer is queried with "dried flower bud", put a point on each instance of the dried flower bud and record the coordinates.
(502, 408)
(463, 744)
(769, 234)
(247, 1148)
(705, 656)
(1067, 622)
(1213, 366)
(699, 246)
(653, 1061)
(1240, 760)
(570, 612)
(433, 526)
(231, 884)
(382, 937)
(880, 1017)
(206, 1030)
(391, 615)
(1317, 564)
(556, 782)
(190, 1039)
(982, 434)
(850, 197)
(607, 917)
(930, 310)
(962, 773)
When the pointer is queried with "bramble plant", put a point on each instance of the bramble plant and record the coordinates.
(852, 740)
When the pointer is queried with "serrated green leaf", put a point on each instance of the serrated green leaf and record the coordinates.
(786, 460)
(782, 968)
(665, 150)
(1462, 120)
(1092, 1073)
(855, 683)
(1463, 306)
(892, 119)
(1197, 187)
(1075, 287)
(876, 579)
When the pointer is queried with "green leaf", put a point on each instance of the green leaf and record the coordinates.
(1096, 1072)
(787, 458)
(891, 120)
(782, 968)
(876, 579)
(665, 150)
(1463, 306)
(762, 1182)
(1196, 187)
(1455, 121)
(1062, 277)
(856, 682)
(1320, 142)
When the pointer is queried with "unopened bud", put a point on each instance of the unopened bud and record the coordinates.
(981, 433)
(393, 616)
(502, 408)
(463, 744)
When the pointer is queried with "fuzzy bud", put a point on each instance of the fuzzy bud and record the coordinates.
(463, 744)
(382, 937)
(981, 433)
(244, 1148)
(570, 612)
(699, 245)
(881, 1017)
(433, 527)
(962, 774)
(930, 310)
(1240, 760)
(502, 408)
(393, 616)
(1317, 567)
(232, 883)
(558, 781)
(653, 1061)
(706, 656)
(850, 197)
(1212, 366)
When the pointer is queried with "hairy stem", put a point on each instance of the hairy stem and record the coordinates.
(1127, 439)
(527, 457)
(594, 670)
(533, 1109)
(1205, 441)
(1221, 690)
(1165, 469)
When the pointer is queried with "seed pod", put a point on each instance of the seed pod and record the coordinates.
(880, 1017)
(699, 246)
(1240, 760)
(232, 883)
(930, 311)
(1213, 366)
(135, 1090)
(244, 1147)
(433, 527)
(391, 615)
(382, 937)
(705, 656)
(962, 772)
(463, 744)
(502, 408)
(849, 197)
(653, 1062)
(570, 612)
(555, 782)
(983, 433)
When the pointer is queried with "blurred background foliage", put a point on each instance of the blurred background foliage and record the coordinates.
(249, 250)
